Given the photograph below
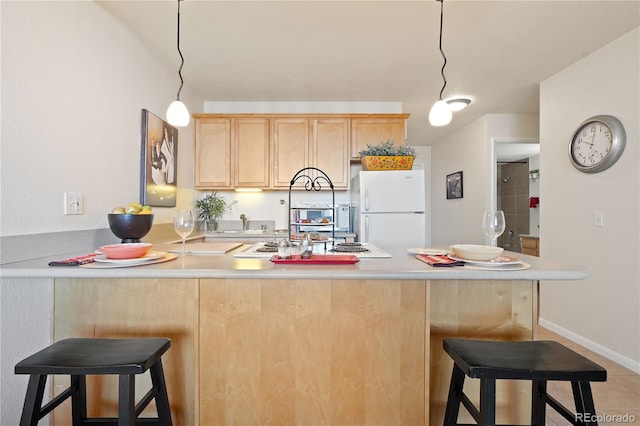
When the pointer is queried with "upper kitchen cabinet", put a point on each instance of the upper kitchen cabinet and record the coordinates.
(231, 152)
(290, 149)
(251, 152)
(213, 153)
(320, 142)
(375, 129)
(330, 149)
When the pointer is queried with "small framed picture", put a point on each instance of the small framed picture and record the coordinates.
(158, 161)
(454, 185)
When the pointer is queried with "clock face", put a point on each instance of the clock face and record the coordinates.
(597, 144)
(592, 144)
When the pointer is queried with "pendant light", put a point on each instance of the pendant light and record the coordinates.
(177, 113)
(440, 114)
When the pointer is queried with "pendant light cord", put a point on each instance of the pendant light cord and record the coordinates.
(179, 52)
(442, 51)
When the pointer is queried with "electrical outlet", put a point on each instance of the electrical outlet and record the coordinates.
(73, 203)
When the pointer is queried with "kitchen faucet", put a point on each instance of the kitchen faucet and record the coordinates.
(245, 226)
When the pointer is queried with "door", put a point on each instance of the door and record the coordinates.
(392, 191)
(393, 229)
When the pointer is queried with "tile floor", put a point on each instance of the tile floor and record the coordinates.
(615, 398)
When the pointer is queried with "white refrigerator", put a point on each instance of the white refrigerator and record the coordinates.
(389, 208)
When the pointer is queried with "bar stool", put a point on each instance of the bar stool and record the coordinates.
(537, 361)
(79, 357)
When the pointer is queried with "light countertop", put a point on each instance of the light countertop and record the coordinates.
(401, 266)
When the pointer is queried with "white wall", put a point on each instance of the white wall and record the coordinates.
(74, 82)
(470, 150)
(602, 312)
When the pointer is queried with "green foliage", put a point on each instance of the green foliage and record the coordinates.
(210, 207)
(388, 148)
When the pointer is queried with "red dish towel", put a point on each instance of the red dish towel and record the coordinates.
(439, 260)
(533, 202)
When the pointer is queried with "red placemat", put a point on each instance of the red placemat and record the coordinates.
(318, 259)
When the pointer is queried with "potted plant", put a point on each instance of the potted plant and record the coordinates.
(210, 209)
(387, 156)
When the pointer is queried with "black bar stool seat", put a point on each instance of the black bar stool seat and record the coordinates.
(537, 361)
(79, 357)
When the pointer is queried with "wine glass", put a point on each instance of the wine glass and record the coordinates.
(183, 223)
(493, 224)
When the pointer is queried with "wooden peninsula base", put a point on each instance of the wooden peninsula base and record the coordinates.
(313, 352)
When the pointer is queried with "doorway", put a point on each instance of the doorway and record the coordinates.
(513, 188)
(513, 199)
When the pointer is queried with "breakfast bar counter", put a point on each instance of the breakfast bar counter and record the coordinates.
(258, 343)
(401, 266)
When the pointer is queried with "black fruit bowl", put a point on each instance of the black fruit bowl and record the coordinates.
(130, 227)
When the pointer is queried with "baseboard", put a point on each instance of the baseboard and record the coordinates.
(592, 346)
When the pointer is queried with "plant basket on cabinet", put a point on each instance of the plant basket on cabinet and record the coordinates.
(387, 156)
(387, 162)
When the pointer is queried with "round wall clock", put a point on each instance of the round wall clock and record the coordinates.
(597, 143)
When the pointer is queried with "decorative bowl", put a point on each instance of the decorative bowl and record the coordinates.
(476, 252)
(126, 251)
(130, 227)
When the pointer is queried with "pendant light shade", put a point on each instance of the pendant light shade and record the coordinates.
(177, 113)
(440, 114)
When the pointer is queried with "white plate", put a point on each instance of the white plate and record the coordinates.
(499, 261)
(152, 255)
(428, 251)
(520, 266)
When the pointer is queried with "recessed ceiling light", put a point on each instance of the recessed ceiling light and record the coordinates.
(458, 104)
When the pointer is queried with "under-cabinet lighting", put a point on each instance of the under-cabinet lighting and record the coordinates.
(248, 190)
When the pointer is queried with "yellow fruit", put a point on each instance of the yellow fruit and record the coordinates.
(145, 211)
(133, 208)
(118, 210)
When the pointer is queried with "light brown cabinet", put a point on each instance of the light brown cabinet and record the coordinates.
(290, 149)
(251, 153)
(373, 130)
(530, 245)
(231, 153)
(266, 150)
(318, 142)
(213, 153)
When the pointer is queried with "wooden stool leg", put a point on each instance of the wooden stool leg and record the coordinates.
(126, 400)
(78, 399)
(453, 402)
(33, 400)
(162, 399)
(487, 402)
(584, 402)
(538, 403)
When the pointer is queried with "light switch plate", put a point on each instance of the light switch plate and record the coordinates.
(73, 203)
(598, 219)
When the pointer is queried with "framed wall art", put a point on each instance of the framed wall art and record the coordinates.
(454, 185)
(158, 161)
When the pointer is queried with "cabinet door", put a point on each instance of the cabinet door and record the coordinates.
(330, 149)
(372, 131)
(251, 152)
(290, 149)
(213, 153)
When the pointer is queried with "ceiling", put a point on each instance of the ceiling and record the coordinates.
(377, 51)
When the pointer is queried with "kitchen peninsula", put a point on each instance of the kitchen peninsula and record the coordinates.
(259, 343)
